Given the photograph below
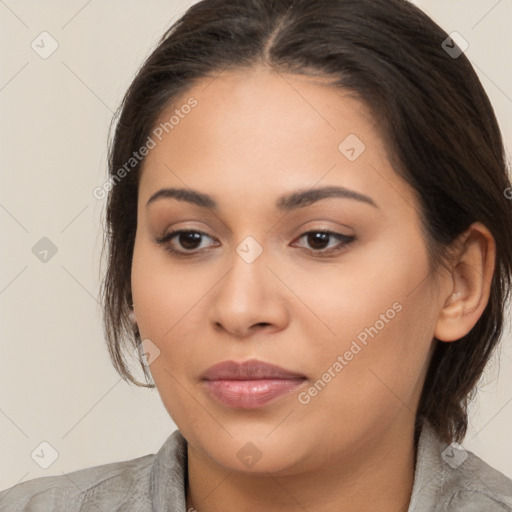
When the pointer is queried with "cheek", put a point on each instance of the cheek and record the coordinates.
(365, 289)
(167, 304)
(163, 293)
(381, 314)
(170, 308)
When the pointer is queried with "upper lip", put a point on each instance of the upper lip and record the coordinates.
(248, 370)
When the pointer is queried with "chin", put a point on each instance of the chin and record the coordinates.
(256, 454)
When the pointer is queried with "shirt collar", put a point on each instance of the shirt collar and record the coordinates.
(430, 470)
(168, 475)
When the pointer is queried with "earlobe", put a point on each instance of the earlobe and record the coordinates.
(472, 273)
(131, 316)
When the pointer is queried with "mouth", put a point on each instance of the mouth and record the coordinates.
(250, 384)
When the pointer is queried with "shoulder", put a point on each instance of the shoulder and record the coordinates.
(106, 487)
(475, 486)
(450, 478)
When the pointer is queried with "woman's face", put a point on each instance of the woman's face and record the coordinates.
(352, 312)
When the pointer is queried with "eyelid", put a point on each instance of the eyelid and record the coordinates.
(166, 237)
(345, 240)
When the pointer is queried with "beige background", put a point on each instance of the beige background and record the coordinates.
(57, 383)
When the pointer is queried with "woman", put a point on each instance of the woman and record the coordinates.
(309, 244)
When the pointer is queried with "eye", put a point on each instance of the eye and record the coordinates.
(190, 242)
(319, 241)
(186, 238)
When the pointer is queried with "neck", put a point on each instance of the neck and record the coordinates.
(378, 477)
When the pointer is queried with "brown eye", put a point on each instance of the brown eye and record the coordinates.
(318, 240)
(183, 241)
(189, 240)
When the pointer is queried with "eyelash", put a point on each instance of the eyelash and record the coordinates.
(346, 240)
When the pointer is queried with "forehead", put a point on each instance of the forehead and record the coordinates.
(261, 101)
(267, 132)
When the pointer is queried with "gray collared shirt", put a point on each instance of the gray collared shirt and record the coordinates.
(446, 479)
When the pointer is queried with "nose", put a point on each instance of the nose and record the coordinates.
(248, 299)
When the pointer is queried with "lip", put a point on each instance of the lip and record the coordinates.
(252, 369)
(249, 384)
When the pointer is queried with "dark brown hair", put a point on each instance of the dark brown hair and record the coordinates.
(440, 128)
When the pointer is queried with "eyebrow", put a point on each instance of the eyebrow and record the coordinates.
(288, 202)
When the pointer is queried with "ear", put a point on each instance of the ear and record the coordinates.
(472, 273)
(131, 316)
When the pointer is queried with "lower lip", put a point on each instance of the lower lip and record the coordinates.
(251, 394)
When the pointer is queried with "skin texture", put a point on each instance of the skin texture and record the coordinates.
(253, 136)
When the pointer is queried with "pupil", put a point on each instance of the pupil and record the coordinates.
(314, 238)
(189, 238)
